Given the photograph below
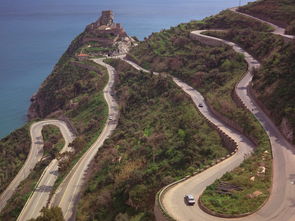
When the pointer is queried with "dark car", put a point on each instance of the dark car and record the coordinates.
(189, 199)
(200, 105)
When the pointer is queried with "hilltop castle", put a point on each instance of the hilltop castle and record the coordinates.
(105, 25)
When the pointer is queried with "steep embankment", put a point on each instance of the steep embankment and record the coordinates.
(271, 83)
(13, 152)
(39, 157)
(73, 93)
(279, 12)
(214, 71)
(159, 138)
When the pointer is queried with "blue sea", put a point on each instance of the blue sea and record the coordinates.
(34, 34)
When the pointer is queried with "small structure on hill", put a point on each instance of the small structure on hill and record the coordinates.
(105, 25)
(106, 18)
(106, 37)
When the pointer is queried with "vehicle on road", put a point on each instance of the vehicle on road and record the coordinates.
(189, 199)
(200, 105)
(110, 118)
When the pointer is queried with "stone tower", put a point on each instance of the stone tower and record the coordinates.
(107, 18)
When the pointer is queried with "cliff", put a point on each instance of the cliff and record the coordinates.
(101, 38)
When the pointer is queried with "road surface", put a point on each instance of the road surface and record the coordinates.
(41, 194)
(173, 199)
(280, 205)
(35, 155)
(68, 192)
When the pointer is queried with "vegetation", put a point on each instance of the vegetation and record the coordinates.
(53, 142)
(271, 82)
(52, 214)
(160, 134)
(214, 71)
(230, 20)
(280, 12)
(73, 92)
(13, 152)
(24, 190)
(243, 190)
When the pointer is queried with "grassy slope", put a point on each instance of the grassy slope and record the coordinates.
(13, 152)
(280, 12)
(271, 82)
(53, 142)
(160, 134)
(88, 112)
(214, 71)
(72, 91)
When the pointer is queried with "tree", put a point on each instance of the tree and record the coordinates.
(52, 214)
(155, 140)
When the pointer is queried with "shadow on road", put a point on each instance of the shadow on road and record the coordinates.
(44, 188)
(55, 172)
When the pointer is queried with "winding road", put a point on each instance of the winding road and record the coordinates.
(41, 193)
(67, 193)
(35, 155)
(281, 204)
(279, 207)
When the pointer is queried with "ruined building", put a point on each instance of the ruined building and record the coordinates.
(107, 18)
(105, 25)
(105, 33)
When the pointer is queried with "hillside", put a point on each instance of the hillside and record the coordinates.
(271, 83)
(160, 138)
(73, 92)
(279, 12)
(215, 71)
(53, 142)
(13, 152)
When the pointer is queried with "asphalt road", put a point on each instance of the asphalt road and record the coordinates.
(41, 193)
(280, 205)
(174, 198)
(67, 193)
(35, 155)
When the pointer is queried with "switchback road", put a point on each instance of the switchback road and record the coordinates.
(35, 155)
(41, 193)
(68, 192)
(280, 206)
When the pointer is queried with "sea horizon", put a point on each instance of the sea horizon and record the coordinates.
(35, 35)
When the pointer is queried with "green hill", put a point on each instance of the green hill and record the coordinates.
(160, 137)
(279, 12)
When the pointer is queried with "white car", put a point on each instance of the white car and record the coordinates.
(189, 199)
